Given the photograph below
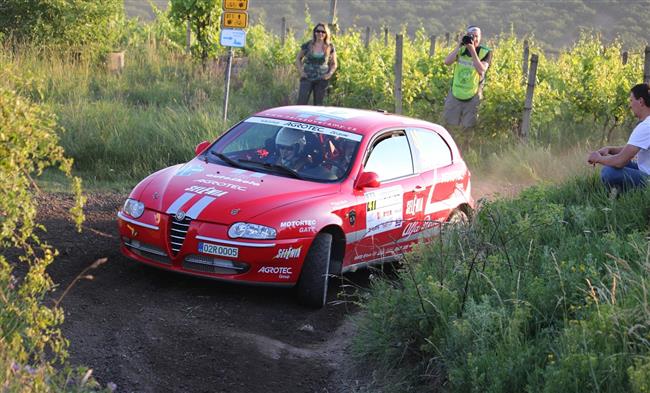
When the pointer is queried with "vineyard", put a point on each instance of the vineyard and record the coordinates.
(557, 276)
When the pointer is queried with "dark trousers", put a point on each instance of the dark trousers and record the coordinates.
(319, 87)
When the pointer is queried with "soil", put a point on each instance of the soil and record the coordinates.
(148, 330)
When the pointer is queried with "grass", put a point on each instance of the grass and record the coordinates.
(544, 292)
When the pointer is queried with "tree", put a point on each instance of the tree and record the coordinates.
(204, 17)
(87, 23)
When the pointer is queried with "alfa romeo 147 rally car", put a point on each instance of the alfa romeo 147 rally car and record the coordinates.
(295, 194)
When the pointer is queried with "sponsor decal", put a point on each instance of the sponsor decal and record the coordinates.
(156, 218)
(288, 253)
(156, 195)
(134, 233)
(206, 191)
(189, 170)
(303, 226)
(283, 272)
(352, 217)
(234, 212)
(414, 227)
(384, 209)
(234, 179)
(221, 184)
(215, 249)
(415, 205)
(306, 127)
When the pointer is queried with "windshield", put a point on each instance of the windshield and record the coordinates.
(288, 148)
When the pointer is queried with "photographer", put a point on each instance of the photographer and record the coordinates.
(472, 61)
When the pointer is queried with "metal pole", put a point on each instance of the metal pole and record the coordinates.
(283, 34)
(227, 89)
(528, 105)
(385, 36)
(624, 58)
(398, 73)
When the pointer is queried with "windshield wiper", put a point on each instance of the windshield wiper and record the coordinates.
(226, 159)
(277, 167)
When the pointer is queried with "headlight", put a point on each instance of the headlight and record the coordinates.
(251, 231)
(133, 208)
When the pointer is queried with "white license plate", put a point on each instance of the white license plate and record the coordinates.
(215, 249)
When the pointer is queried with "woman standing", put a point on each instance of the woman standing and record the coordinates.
(316, 63)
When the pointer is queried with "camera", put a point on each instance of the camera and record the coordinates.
(467, 39)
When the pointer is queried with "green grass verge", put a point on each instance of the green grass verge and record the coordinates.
(546, 292)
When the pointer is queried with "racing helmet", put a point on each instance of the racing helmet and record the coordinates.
(291, 137)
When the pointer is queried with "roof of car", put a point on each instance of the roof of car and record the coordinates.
(348, 119)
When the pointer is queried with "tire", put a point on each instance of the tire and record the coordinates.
(457, 216)
(312, 285)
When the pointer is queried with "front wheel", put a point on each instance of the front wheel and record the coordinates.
(312, 285)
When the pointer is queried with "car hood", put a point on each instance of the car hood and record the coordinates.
(223, 194)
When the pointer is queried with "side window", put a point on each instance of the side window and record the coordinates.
(390, 157)
(431, 151)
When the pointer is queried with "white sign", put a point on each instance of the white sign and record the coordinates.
(233, 37)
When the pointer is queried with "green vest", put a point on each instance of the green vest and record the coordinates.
(467, 80)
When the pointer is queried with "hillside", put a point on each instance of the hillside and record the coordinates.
(553, 23)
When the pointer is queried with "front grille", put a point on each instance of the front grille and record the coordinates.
(177, 233)
(148, 251)
(202, 263)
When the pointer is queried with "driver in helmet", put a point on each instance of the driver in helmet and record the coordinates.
(290, 144)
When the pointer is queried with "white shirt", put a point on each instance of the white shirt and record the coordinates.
(641, 138)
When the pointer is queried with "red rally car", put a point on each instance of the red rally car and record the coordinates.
(295, 194)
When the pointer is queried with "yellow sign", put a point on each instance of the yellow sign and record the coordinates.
(235, 19)
(236, 5)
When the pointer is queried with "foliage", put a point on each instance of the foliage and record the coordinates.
(32, 349)
(204, 17)
(82, 25)
(543, 293)
(556, 24)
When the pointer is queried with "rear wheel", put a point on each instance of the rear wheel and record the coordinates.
(312, 285)
(458, 216)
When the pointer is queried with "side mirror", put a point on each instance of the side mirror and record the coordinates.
(367, 180)
(200, 147)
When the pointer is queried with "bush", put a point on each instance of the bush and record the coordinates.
(32, 349)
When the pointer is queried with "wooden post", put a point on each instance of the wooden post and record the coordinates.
(188, 37)
(385, 36)
(367, 41)
(398, 73)
(528, 105)
(447, 39)
(646, 65)
(283, 31)
(624, 57)
(524, 64)
(432, 45)
(333, 25)
(116, 62)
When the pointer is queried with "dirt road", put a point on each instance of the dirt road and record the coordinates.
(148, 330)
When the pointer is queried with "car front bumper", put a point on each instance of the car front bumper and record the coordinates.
(204, 249)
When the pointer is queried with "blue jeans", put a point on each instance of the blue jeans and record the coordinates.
(623, 178)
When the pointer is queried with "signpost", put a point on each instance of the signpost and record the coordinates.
(233, 22)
